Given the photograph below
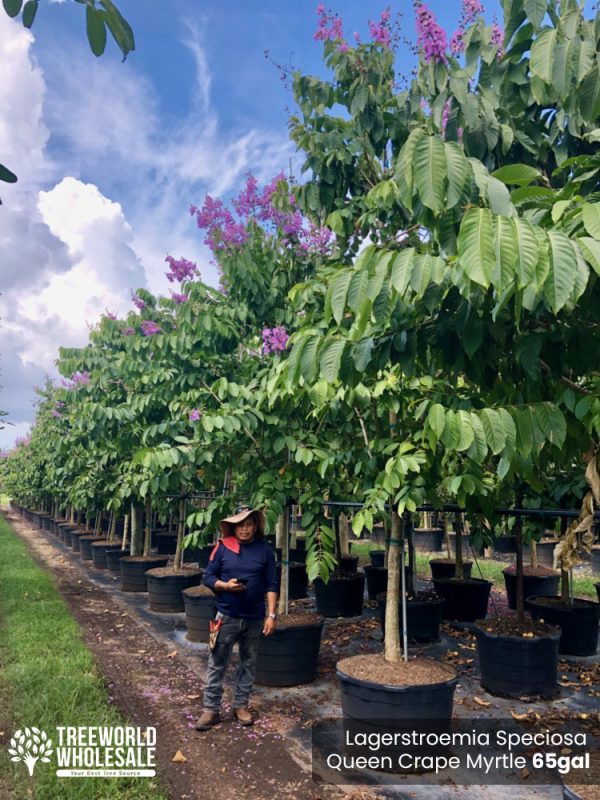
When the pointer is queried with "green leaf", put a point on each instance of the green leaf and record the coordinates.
(361, 354)
(563, 270)
(506, 253)
(436, 419)
(308, 361)
(591, 218)
(402, 270)
(357, 290)
(339, 291)
(518, 174)
(542, 54)
(466, 431)
(536, 11)
(451, 434)
(552, 423)
(430, 172)
(6, 175)
(458, 171)
(523, 421)
(493, 427)
(12, 7)
(29, 12)
(591, 251)
(331, 358)
(119, 27)
(589, 96)
(475, 245)
(478, 450)
(528, 354)
(96, 30)
(405, 167)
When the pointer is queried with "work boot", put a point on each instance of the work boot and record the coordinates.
(243, 716)
(207, 720)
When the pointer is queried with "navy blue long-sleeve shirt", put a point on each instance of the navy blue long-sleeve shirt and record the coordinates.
(255, 562)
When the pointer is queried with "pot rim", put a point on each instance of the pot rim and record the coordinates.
(343, 676)
(534, 639)
(583, 600)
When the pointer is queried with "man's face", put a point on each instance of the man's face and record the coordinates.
(245, 530)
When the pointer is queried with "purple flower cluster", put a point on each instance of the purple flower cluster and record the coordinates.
(149, 328)
(138, 302)
(194, 415)
(56, 413)
(471, 9)
(22, 441)
(316, 240)
(77, 379)
(457, 44)
(274, 339)
(446, 114)
(109, 315)
(179, 298)
(380, 32)
(181, 269)
(223, 231)
(498, 37)
(129, 332)
(330, 26)
(431, 37)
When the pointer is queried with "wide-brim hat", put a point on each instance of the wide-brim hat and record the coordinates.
(227, 525)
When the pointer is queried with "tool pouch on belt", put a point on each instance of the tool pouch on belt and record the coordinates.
(214, 626)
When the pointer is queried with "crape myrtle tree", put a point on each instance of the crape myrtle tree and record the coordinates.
(476, 188)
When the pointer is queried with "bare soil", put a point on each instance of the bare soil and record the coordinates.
(539, 571)
(298, 618)
(199, 591)
(510, 626)
(169, 572)
(416, 672)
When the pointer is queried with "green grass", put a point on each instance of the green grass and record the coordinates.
(49, 678)
(486, 568)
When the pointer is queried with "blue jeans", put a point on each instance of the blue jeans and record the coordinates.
(246, 632)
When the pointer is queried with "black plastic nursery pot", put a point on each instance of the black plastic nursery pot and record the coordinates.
(505, 544)
(595, 560)
(85, 546)
(514, 666)
(597, 585)
(578, 622)
(200, 609)
(464, 601)
(165, 543)
(100, 551)
(376, 581)
(427, 540)
(298, 581)
(290, 656)
(134, 568)
(348, 563)
(423, 617)
(113, 560)
(446, 568)
(377, 558)
(532, 585)
(203, 555)
(342, 596)
(545, 553)
(165, 586)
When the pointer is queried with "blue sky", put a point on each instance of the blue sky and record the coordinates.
(110, 155)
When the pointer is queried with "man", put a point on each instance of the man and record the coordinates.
(241, 571)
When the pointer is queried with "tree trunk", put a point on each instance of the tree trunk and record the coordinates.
(344, 548)
(279, 534)
(136, 539)
(392, 650)
(412, 562)
(283, 527)
(180, 529)
(519, 534)
(533, 558)
(125, 532)
(147, 525)
(113, 526)
(565, 594)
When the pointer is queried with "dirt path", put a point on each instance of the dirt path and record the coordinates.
(152, 686)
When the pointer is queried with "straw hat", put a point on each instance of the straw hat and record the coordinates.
(227, 525)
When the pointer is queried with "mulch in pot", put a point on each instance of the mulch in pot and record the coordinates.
(199, 591)
(509, 625)
(415, 672)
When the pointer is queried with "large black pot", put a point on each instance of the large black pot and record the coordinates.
(443, 568)
(532, 585)
(75, 537)
(164, 591)
(505, 544)
(385, 708)
(464, 601)
(166, 543)
(113, 560)
(203, 555)
(100, 551)
(597, 585)
(545, 553)
(428, 539)
(290, 656)
(516, 666)
(578, 623)
(85, 546)
(298, 581)
(377, 558)
(423, 618)
(134, 568)
(348, 563)
(376, 581)
(595, 561)
(340, 597)
(199, 611)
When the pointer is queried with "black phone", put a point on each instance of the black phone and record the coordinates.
(243, 581)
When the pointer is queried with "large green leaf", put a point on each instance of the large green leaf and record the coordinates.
(436, 419)
(331, 358)
(430, 172)
(478, 450)
(405, 167)
(563, 270)
(476, 245)
(458, 171)
(542, 54)
(119, 27)
(493, 427)
(506, 253)
(589, 96)
(518, 174)
(6, 175)
(552, 422)
(96, 29)
(357, 290)
(29, 12)
(536, 11)
(12, 7)
(339, 291)
(361, 354)
(526, 251)
(308, 361)
(591, 219)
(591, 251)
(402, 270)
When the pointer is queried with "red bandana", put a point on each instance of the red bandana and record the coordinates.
(230, 542)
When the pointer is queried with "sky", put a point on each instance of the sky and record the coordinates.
(111, 155)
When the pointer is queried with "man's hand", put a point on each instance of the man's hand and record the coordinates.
(269, 626)
(232, 585)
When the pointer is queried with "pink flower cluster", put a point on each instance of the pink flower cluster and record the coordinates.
(316, 240)
(330, 26)
(274, 339)
(194, 415)
(380, 32)
(56, 413)
(77, 379)
(431, 37)
(498, 37)
(179, 298)
(149, 328)
(181, 269)
(138, 302)
(109, 315)
(223, 231)
(471, 9)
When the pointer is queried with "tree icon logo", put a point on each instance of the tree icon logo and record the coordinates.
(30, 745)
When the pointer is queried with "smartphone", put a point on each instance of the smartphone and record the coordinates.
(243, 581)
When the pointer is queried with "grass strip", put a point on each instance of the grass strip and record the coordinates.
(50, 678)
